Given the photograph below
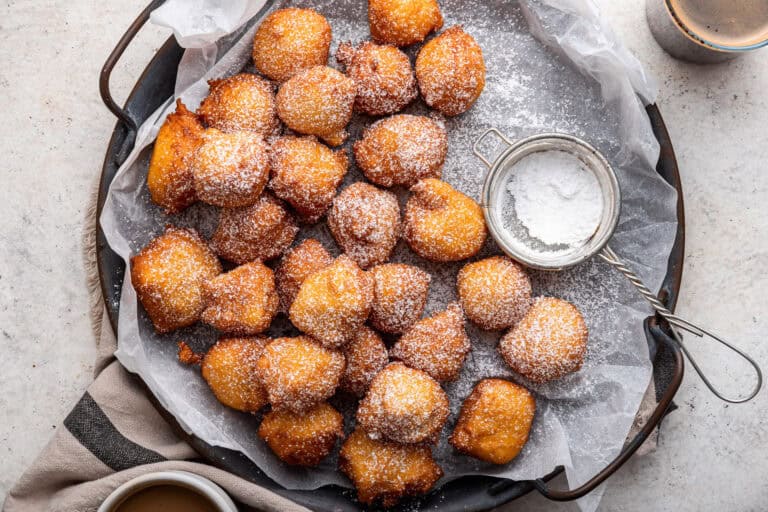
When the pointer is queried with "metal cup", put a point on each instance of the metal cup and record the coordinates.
(685, 42)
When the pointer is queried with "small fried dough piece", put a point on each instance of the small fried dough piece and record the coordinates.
(229, 368)
(383, 74)
(365, 222)
(399, 295)
(442, 224)
(451, 71)
(296, 265)
(333, 303)
(548, 343)
(168, 275)
(437, 345)
(262, 231)
(169, 178)
(243, 102)
(403, 22)
(387, 471)
(401, 150)
(318, 101)
(494, 293)
(366, 356)
(495, 421)
(306, 173)
(403, 405)
(242, 301)
(230, 169)
(302, 439)
(289, 41)
(299, 373)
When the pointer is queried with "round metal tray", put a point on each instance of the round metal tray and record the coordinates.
(469, 493)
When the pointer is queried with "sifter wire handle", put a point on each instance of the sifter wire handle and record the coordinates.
(476, 146)
(608, 255)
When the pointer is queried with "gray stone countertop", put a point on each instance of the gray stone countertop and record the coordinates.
(53, 136)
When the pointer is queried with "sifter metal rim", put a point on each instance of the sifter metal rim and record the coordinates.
(563, 142)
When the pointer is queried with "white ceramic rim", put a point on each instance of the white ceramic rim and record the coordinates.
(191, 481)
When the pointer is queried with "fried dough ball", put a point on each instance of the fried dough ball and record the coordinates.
(262, 231)
(401, 150)
(495, 421)
(548, 343)
(494, 293)
(306, 173)
(302, 439)
(297, 264)
(169, 178)
(289, 41)
(230, 169)
(318, 101)
(243, 102)
(229, 368)
(366, 356)
(168, 275)
(333, 303)
(242, 301)
(437, 345)
(365, 222)
(387, 471)
(383, 74)
(403, 405)
(399, 295)
(299, 373)
(451, 71)
(403, 22)
(441, 223)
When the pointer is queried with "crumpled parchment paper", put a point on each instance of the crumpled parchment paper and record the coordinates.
(553, 65)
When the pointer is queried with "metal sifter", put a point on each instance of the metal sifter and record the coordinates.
(516, 247)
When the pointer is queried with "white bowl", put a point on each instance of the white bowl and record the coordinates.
(199, 484)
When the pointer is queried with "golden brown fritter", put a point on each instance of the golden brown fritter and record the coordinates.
(548, 343)
(306, 173)
(333, 303)
(366, 356)
(318, 101)
(243, 102)
(495, 421)
(296, 265)
(399, 295)
(302, 439)
(494, 293)
(441, 223)
(403, 405)
(298, 373)
(230, 169)
(243, 301)
(168, 275)
(403, 22)
(365, 222)
(383, 75)
(401, 150)
(229, 368)
(451, 71)
(289, 41)
(437, 345)
(387, 471)
(169, 178)
(262, 231)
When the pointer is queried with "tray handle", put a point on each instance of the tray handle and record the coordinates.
(106, 70)
(661, 334)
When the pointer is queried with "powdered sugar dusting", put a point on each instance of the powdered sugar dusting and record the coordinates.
(529, 90)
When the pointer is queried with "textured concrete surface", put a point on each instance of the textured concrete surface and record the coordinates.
(53, 135)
